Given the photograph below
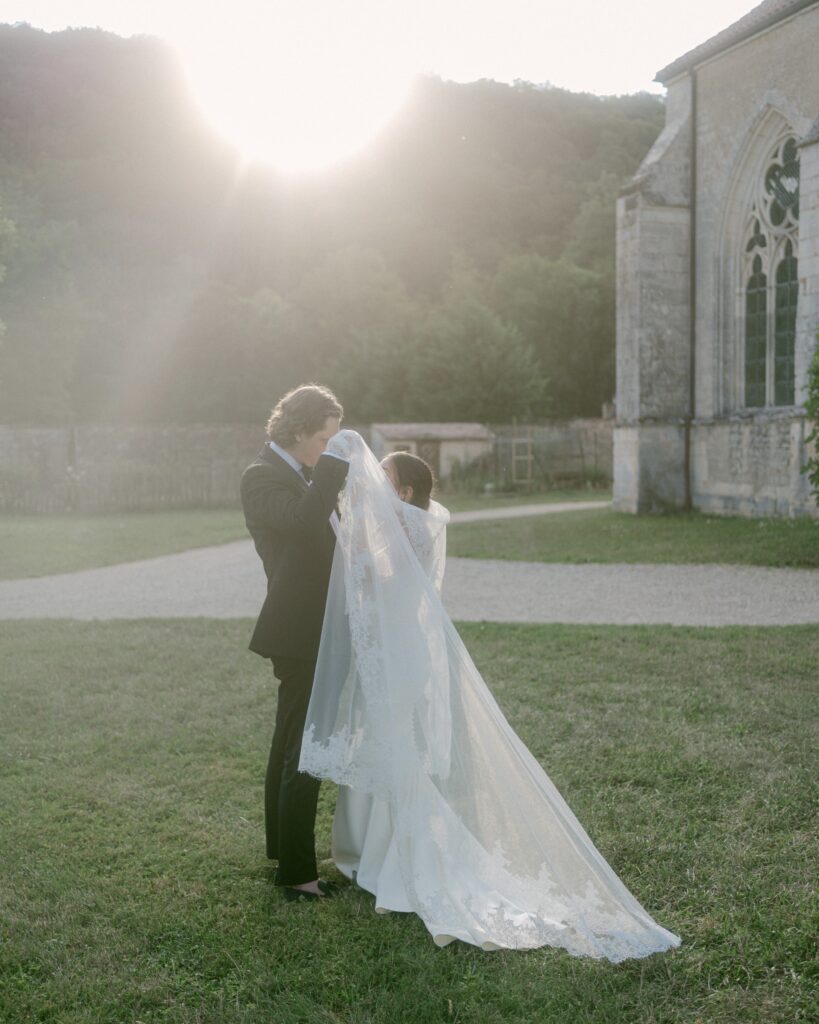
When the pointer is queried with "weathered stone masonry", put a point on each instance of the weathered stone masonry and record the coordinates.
(741, 93)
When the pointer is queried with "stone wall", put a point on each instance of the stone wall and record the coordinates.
(752, 466)
(746, 96)
(807, 322)
(648, 467)
(653, 321)
(563, 450)
(106, 469)
(742, 461)
(96, 469)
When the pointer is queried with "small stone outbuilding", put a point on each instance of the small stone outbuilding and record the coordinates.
(441, 444)
(718, 277)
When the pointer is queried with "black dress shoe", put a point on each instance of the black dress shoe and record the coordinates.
(326, 889)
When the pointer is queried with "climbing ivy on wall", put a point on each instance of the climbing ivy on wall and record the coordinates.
(812, 407)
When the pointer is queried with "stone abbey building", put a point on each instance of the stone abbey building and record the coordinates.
(718, 277)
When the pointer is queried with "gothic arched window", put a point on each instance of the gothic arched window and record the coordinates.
(787, 291)
(756, 334)
(770, 281)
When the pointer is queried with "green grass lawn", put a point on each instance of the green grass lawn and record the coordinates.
(468, 502)
(601, 535)
(41, 545)
(133, 885)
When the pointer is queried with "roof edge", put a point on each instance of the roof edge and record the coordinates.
(812, 136)
(753, 23)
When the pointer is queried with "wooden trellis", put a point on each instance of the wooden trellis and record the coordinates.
(523, 459)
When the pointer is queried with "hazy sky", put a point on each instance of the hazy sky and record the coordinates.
(586, 45)
(303, 83)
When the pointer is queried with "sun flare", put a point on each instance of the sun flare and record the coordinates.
(297, 107)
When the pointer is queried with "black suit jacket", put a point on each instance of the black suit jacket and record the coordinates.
(290, 526)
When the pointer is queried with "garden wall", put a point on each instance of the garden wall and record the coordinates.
(92, 469)
(109, 469)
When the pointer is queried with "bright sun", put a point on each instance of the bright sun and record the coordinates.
(300, 99)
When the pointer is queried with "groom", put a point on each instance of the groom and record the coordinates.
(289, 496)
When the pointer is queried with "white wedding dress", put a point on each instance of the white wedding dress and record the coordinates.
(443, 811)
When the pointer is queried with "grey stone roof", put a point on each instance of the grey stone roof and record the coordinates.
(433, 431)
(768, 13)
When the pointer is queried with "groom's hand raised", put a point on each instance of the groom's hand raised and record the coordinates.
(343, 444)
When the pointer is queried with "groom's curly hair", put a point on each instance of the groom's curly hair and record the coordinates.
(304, 410)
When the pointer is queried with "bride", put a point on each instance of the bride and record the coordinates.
(443, 811)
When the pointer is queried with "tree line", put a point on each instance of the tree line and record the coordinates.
(459, 267)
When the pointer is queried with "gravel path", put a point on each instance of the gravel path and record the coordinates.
(519, 511)
(227, 582)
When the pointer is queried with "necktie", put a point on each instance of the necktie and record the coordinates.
(307, 472)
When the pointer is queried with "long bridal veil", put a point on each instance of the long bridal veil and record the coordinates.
(485, 847)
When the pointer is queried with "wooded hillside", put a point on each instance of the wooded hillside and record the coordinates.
(461, 267)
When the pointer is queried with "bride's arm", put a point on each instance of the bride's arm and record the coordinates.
(427, 537)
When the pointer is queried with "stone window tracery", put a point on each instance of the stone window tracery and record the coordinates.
(756, 334)
(770, 282)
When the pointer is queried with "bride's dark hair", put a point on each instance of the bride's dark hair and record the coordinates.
(413, 472)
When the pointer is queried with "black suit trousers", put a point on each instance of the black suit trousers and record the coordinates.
(291, 796)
